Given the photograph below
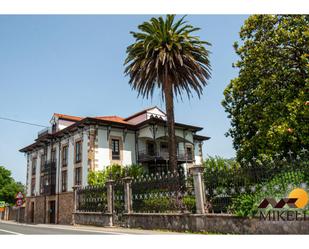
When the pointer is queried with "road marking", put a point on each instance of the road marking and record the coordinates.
(86, 230)
(11, 232)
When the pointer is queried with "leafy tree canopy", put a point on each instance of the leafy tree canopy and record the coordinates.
(268, 102)
(8, 187)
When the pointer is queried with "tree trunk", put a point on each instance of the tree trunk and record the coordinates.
(169, 105)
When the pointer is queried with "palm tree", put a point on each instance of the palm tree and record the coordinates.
(166, 56)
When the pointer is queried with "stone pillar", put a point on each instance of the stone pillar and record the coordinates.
(110, 200)
(128, 194)
(110, 196)
(197, 172)
(75, 203)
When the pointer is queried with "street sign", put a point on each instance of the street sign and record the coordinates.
(19, 195)
(19, 202)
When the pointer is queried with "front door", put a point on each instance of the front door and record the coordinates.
(32, 212)
(52, 212)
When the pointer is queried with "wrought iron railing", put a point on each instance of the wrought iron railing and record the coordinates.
(45, 131)
(92, 199)
(145, 155)
(48, 171)
(161, 193)
(228, 188)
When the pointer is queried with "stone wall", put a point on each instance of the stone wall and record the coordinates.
(11, 213)
(93, 218)
(39, 207)
(41, 212)
(65, 208)
(216, 223)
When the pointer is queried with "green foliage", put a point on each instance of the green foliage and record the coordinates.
(166, 53)
(114, 172)
(158, 205)
(96, 177)
(268, 101)
(247, 204)
(220, 172)
(189, 202)
(8, 187)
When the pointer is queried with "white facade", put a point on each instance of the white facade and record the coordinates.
(135, 136)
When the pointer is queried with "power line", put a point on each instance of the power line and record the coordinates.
(23, 122)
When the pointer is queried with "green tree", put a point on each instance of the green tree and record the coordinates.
(166, 56)
(8, 187)
(268, 101)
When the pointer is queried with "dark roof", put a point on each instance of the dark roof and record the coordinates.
(107, 122)
(141, 112)
(80, 124)
(154, 120)
(200, 137)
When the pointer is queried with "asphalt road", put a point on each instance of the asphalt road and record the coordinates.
(13, 228)
(22, 229)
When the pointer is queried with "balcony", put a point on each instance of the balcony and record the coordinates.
(48, 178)
(146, 156)
(49, 189)
(48, 167)
(45, 131)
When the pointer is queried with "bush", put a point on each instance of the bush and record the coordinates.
(114, 172)
(189, 202)
(158, 205)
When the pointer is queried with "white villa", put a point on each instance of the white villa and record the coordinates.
(63, 154)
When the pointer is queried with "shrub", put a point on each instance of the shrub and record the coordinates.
(189, 202)
(158, 205)
(114, 172)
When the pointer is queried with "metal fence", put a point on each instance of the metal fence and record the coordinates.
(119, 204)
(234, 188)
(161, 193)
(92, 199)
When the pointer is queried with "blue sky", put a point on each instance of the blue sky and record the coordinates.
(74, 65)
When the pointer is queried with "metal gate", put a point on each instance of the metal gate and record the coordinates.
(119, 204)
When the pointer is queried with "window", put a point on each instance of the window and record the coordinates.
(65, 156)
(54, 128)
(64, 181)
(53, 156)
(78, 176)
(33, 169)
(42, 184)
(189, 153)
(32, 186)
(115, 149)
(150, 148)
(78, 152)
(164, 147)
(43, 161)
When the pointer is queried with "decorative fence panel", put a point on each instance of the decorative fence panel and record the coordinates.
(238, 188)
(92, 199)
(161, 193)
(119, 204)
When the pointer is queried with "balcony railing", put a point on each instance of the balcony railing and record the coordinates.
(144, 156)
(48, 171)
(48, 189)
(48, 167)
(47, 130)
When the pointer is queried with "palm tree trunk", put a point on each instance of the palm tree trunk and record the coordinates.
(169, 105)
